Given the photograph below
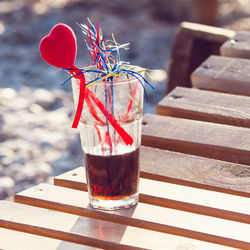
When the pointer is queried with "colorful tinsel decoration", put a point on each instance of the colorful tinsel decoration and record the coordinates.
(106, 58)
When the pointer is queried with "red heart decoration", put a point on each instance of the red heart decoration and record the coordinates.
(59, 47)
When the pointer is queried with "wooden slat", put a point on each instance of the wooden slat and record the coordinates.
(212, 140)
(223, 74)
(13, 240)
(180, 169)
(143, 215)
(75, 228)
(178, 197)
(206, 106)
(75, 179)
(195, 171)
(53, 224)
(209, 33)
(237, 46)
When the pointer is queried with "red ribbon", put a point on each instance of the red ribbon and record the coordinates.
(124, 135)
(82, 86)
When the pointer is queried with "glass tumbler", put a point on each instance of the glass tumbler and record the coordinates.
(110, 130)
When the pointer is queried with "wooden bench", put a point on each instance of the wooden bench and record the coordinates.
(194, 186)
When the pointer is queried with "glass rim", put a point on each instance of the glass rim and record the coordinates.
(115, 82)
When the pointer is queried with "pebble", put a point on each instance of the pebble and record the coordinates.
(7, 93)
(44, 98)
(6, 186)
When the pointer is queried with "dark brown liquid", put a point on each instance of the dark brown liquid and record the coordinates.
(112, 177)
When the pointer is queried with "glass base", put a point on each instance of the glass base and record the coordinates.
(114, 204)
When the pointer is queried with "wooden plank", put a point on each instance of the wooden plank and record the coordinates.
(143, 215)
(200, 42)
(53, 224)
(223, 74)
(177, 196)
(183, 169)
(195, 171)
(237, 46)
(37, 220)
(206, 106)
(217, 141)
(210, 33)
(27, 241)
(75, 179)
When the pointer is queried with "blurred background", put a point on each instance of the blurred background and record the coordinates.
(36, 139)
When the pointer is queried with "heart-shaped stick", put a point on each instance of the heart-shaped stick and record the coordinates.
(59, 49)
